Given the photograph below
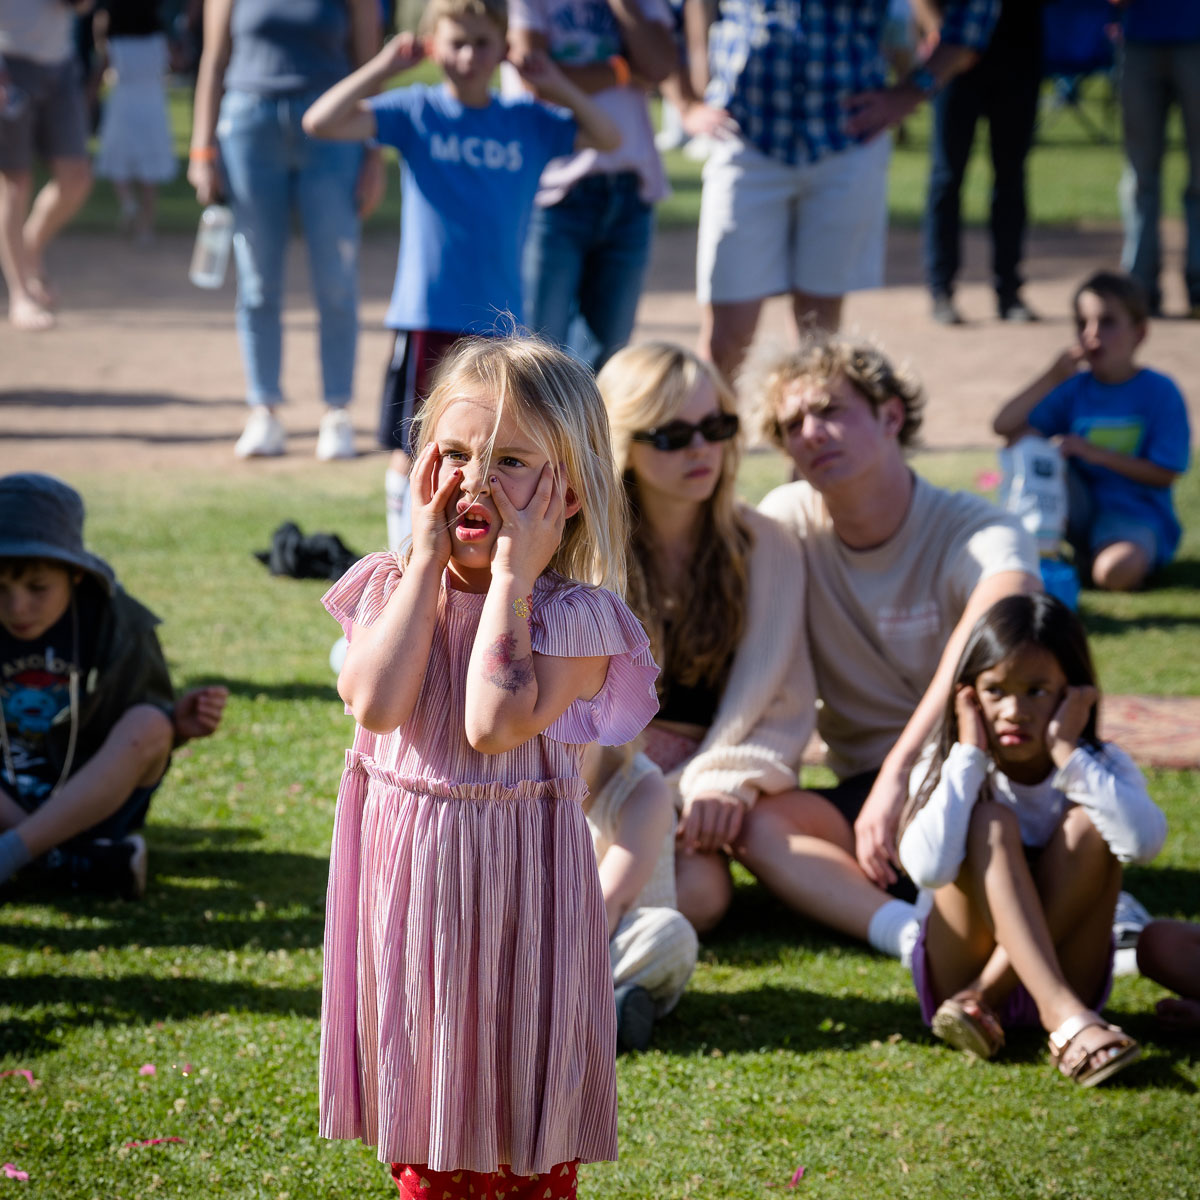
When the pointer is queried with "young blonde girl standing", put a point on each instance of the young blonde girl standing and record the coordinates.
(468, 1025)
(1021, 820)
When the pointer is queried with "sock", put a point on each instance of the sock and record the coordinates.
(894, 928)
(13, 854)
(399, 510)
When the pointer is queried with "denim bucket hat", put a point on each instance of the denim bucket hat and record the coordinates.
(42, 517)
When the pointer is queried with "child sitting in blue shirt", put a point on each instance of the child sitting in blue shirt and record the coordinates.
(1123, 430)
(470, 165)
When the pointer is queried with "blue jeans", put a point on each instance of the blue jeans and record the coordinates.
(1152, 76)
(585, 259)
(1003, 89)
(272, 170)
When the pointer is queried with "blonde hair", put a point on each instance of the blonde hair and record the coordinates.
(820, 359)
(644, 387)
(554, 400)
(495, 11)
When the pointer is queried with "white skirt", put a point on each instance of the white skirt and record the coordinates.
(135, 133)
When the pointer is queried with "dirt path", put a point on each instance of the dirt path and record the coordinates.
(143, 372)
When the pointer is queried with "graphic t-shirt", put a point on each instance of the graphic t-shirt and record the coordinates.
(34, 694)
(1145, 417)
(468, 177)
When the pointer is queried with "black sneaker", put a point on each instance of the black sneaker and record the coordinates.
(944, 310)
(102, 866)
(635, 1017)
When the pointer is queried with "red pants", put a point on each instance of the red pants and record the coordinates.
(419, 1183)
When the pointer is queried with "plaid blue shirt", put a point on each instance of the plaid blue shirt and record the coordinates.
(784, 69)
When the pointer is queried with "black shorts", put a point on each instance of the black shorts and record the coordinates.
(416, 355)
(848, 796)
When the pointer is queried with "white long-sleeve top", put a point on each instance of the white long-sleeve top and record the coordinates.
(1107, 784)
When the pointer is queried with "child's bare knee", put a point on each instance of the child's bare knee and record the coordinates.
(1120, 567)
(994, 824)
(1081, 835)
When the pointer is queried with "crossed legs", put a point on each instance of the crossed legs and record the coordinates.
(134, 755)
(1049, 928)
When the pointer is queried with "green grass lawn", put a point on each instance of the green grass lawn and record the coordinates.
(1072, 177)
(791, 1048)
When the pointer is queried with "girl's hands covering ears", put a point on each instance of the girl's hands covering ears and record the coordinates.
(971, 729)
(1062, 734)
(432, 487)
(528, 536)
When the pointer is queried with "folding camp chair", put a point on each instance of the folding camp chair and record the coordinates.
(1078, 43)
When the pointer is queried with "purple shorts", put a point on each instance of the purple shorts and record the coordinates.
(1017, 1012)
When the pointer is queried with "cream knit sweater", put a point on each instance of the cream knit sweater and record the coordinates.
(768, 708)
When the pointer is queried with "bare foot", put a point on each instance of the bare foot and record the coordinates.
(27, 315)
(41, 293)
(1179, 1014)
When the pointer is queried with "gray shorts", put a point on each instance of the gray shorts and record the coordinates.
(767, 228)
(51, 118)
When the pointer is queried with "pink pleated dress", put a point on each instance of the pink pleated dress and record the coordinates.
(467, 1017)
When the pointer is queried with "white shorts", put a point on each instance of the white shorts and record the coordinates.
(767, 228)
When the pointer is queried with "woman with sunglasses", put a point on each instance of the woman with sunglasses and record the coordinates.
(719, 588)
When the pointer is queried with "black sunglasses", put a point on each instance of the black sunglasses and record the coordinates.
(716, 427)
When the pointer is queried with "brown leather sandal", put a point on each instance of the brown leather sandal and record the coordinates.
(1090, 1065)
(965, 1022)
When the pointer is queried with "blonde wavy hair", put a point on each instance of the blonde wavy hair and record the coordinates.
(495, 11)
(555, 401)
(820, 359)
(644, 387)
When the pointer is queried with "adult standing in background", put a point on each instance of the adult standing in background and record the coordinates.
(264, 62)
(1002, 88)
(1160, 63)
(41, 110)
(589, 240)
(795, 192)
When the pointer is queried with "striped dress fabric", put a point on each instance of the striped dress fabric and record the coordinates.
(467, 1016)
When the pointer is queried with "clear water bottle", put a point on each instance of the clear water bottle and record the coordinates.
(214, 238)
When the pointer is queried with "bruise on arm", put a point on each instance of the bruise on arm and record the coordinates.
(504, 669)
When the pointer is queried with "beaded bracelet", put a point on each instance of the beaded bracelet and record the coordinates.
(203, 154)
(523, 606)
(620, 69)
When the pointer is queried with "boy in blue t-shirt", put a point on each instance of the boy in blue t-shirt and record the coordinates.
(1123, 430)
(470, 165)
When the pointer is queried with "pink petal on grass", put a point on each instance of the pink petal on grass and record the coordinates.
(797, 1175)
(152, 1142)
(186, 1068)
(986, 481)
(25, 1071)
(15, 1172)
(147, 1069)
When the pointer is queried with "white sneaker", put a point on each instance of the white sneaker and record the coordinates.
(263, 437)
(1130, 918)
(336, 436)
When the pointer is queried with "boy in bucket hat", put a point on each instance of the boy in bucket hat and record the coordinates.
(89, 717)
